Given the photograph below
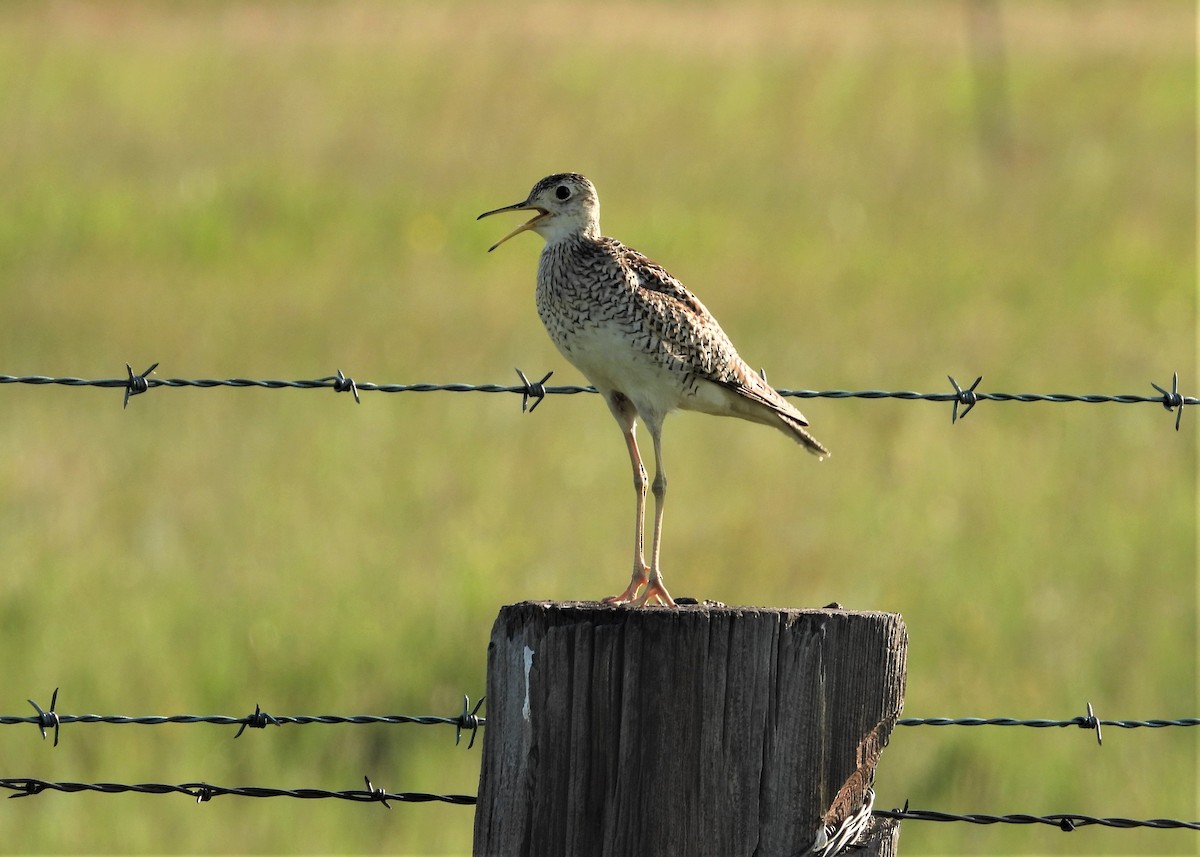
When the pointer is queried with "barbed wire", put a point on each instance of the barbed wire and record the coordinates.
(468, 720)
(1066, 822)
(204, 792)
(1088, 721)
(1076, 721)
(137, 383)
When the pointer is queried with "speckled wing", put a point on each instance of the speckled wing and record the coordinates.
(688, 332)
(691, 334)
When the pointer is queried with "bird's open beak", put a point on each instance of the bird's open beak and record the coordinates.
(541, 215)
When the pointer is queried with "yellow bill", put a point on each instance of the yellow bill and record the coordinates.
(518, 206)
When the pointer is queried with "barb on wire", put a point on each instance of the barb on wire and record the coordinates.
(47, 719)
(536, 391)
(965, 397)
(381, 795)
(468, 720)
(1173, 401)
(203, 792)
(342, 384)
(1092, 722)
(1066, 822)
(258, 720)
(136, 384)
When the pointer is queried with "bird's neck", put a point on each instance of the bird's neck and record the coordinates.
(560, 233)
(559, 264)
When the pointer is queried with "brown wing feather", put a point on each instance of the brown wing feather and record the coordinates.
(662, 317)
(692, 334)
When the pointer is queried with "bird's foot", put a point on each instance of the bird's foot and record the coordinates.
(654, 593)
(643, 589)
(639, 579)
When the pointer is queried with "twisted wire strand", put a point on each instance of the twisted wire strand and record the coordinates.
(1064, 821)
(429, 720)
(226, 720)
(468, 719)
(331, 383)
(569, 389)
(135, 384)
(202, 792)
(46, 719)
(1089, 721)
(1082, 722)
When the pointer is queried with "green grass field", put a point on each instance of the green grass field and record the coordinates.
(281, 190)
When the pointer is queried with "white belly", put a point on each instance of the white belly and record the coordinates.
(608, 358)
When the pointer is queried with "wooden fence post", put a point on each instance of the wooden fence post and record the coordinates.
(698, 730)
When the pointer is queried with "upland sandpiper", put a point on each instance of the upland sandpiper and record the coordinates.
(644, 341)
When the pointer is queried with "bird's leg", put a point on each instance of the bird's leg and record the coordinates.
(655, 591)
(626, 416)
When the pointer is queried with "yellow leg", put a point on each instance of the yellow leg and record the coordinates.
(626, 415)
(655, 591)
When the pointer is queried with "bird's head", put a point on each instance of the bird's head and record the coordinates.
(566, 204)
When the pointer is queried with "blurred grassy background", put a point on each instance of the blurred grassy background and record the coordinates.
(865, 195)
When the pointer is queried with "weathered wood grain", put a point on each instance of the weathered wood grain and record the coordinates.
(696, 730)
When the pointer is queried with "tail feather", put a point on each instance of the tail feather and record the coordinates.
(754, 388)
(799, 432)
(751, 398)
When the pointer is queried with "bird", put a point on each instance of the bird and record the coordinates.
(646, 343)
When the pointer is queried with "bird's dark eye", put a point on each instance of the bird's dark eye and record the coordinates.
(562, 192)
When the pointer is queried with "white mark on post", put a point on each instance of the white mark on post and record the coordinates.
(528, 667)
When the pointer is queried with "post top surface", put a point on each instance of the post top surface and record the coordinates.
(538, 617)
(598, 611)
